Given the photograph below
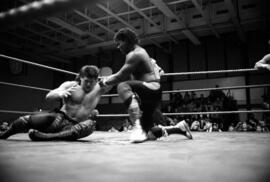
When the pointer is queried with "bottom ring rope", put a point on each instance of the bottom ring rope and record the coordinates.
(165, 114)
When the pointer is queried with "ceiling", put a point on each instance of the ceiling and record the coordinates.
(73, 33)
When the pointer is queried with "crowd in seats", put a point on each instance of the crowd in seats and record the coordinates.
(216, 101)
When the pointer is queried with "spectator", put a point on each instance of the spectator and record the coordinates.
(195, 126)
(208, 125)
(231, 127)
(4, 126)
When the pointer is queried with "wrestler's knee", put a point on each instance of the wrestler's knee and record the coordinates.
(23, 120)
(84, 128)
(21, 124)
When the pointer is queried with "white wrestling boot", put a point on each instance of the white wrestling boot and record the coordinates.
(138, 135)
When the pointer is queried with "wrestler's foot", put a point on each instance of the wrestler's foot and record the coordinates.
(138, 135)
(37, 135)
(183, 126)
(5, 134)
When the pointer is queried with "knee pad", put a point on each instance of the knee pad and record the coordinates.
(157, 132)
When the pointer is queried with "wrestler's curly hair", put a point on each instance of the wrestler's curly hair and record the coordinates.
(126, 35)
(89, 71)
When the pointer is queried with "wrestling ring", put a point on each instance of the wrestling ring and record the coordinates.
(105, 156)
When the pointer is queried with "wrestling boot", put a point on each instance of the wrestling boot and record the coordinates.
(138, 134)
(77, 131)
(20, 125)
(180, 128)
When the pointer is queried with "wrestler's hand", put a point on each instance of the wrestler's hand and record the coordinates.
(103, 85)
(102, 81)
(94, 114)
(66, 92)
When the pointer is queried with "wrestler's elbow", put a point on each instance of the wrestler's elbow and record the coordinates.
(51, 96)
(259, 65)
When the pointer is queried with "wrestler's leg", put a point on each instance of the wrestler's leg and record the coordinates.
(131, 100)
(20, 125)
(39, 121)
(71, 133)
(150, 102)
(42, 121)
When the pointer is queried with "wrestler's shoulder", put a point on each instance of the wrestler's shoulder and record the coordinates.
(69, 83)
(137, 53)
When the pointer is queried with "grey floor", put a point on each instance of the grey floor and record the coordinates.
(104, 156)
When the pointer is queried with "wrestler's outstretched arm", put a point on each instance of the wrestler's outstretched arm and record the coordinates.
(63, 91)
(123, 74)
(264, 63)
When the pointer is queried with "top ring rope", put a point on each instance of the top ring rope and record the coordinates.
(37, 9)
(37, 64)
(166, 74)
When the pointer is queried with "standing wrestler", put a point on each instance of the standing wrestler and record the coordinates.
(73, 120)
(142, 94)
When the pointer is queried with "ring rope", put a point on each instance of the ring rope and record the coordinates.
(191, 113)
(203, 89)
(15, 112)
(165, 74)
(164, 92)
(25, 86)
(219, 88)
(37, 64)
(166, 114)
(210, 72)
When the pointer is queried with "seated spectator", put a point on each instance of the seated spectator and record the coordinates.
(127, 126)
(214, 94)
(231, 127)
(266, 106)
(208, 126)
(261, 127)
(193, 96)
(195, 126)
(251, 122)
(186, 97)
(202, 99)
(4, 126)
(215, 127)
(244, 126)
